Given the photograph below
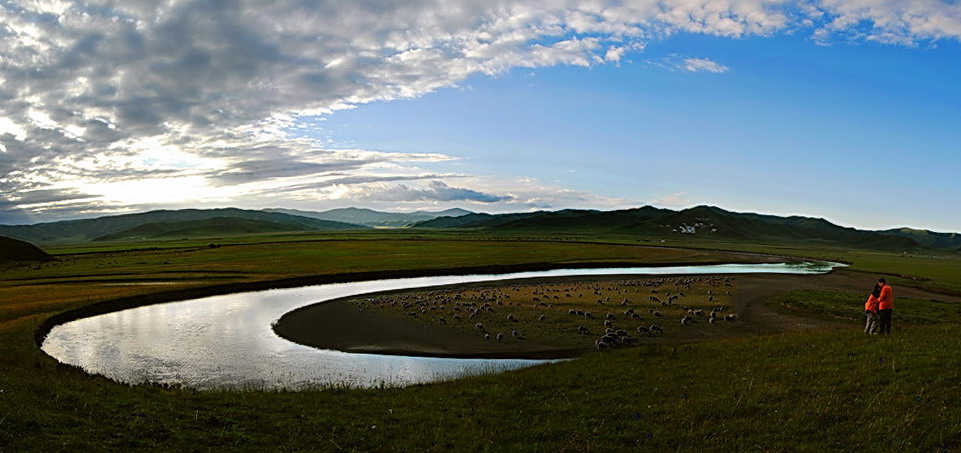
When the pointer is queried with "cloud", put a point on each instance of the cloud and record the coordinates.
(702, 65)
(905, 22)
(97, 93)
(676, 63)
(674, 200)
(435, 191)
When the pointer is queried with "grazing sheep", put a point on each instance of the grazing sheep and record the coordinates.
(656, 328)
(515, 334)
(457, 317)
(642, 329)
(731, 317)
(511, 318)
(621, 333)
(541, 317)
(711, 320)
(610, 316)
(582, 329)
(686, 320)
(500, 336)
(479, 326)
(656, 314)
(487, 336)
(571, 311)
(600, 345)
(608, 323)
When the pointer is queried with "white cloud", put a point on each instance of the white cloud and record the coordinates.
(218, 83)
(677, 63)
(888, 21)
(674, 200)
(702, 65)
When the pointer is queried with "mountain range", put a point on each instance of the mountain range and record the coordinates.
(167, 224)
(187, 223)
(701, 222)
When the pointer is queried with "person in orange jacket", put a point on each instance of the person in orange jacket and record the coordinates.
(885, 306)
(871, 311)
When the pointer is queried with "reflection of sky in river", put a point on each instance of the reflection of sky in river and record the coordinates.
(227, 341)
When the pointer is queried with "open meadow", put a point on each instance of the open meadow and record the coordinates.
(827, 387)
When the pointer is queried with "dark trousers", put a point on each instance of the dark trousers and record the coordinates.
(884, 323)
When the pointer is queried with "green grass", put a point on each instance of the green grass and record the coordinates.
(846, 305)
(811, 391)
(821, 391)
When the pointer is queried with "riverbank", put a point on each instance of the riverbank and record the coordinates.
(123, 303)
(345, 325)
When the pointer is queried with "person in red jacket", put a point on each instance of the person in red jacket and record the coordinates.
(885, 306)
(871, 311)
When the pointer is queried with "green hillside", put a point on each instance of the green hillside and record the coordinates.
(72, 231)
(14, 251)
(217, 226)
(951, 241)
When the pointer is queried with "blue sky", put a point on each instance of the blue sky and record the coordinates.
(864, 134)
(846, 110)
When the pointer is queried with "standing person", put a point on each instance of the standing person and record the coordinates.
(885, 306)
(871, 311)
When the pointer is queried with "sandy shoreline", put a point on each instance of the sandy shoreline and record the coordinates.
(341, 325)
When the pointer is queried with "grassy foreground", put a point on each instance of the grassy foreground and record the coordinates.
(813, 391)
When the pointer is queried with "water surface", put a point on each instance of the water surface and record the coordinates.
(226, 342)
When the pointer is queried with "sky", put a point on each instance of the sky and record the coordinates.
(846, 110)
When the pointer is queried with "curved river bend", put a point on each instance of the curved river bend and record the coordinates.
(226, 342)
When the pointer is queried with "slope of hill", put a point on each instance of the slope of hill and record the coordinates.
(951, 241)
(89, 229)
(217, 226)
(13, 251)
(371, 218)
(700, 222)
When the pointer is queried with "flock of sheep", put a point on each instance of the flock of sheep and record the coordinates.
(608, 313)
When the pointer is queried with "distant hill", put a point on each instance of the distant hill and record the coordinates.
(950, 241)
(15, 251)
(371, 218)
(125, 225)
(217, 226)
(700, 222)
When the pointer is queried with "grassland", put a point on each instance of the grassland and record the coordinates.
(811, 391)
